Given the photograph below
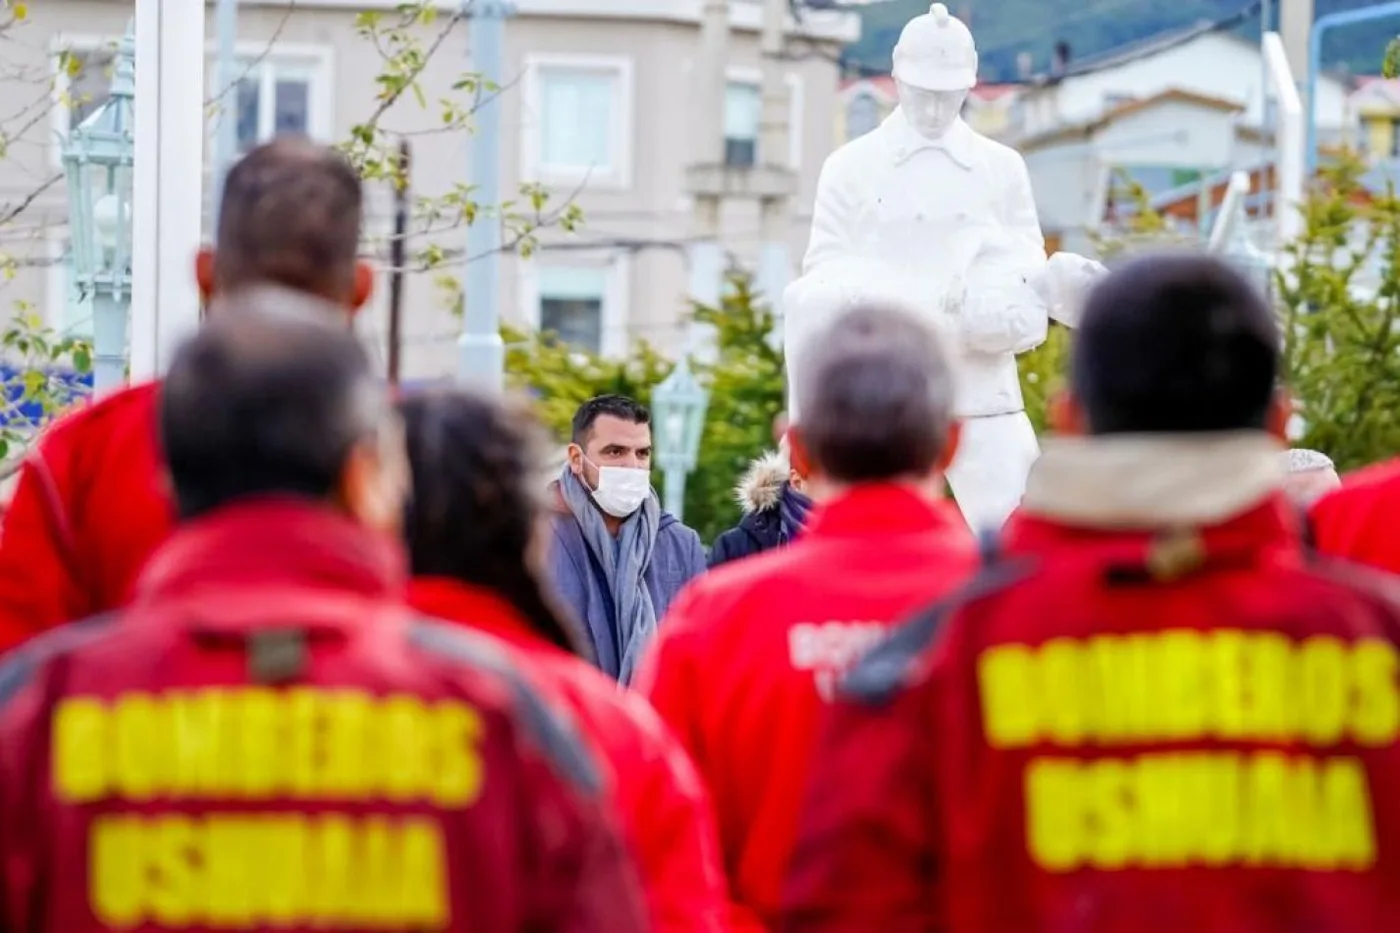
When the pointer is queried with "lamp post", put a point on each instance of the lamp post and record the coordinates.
(97, 162)
(678, 404)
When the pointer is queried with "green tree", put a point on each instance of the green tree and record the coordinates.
(747, 385)
(1338, 293)
(745, 381)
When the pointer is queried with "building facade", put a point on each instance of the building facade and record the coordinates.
(1206, 60)
(594, 97)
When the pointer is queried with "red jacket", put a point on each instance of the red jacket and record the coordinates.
(1359, 520)
(265, 738)
(90, 507)
(745, 656)
(1107, 732)
(665, 809)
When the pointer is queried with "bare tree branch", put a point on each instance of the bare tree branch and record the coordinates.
(9, 213)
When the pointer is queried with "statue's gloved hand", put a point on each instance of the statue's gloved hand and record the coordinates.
(998, 313)
(1063, 282)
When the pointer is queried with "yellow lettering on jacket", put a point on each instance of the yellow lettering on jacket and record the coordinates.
(1179, 685)
(255, 871)
(261, 744)
(1211, 809)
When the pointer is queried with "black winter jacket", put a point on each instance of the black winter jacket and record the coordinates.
(760, 492)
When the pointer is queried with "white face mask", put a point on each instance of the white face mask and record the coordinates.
(931, 113)
(622, 490)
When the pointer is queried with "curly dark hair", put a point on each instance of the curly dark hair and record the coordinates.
(478, 496)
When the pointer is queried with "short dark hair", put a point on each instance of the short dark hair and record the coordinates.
(478, 490)
(255, 405)
(1175, 343)
(876, 397)
(618, 406)
(290, 215)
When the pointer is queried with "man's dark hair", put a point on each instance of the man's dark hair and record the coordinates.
(876, 397)
(1175, 343)
(618, 406)
(255, 405)
(290, 215)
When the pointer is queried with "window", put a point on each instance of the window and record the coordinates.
(578, 127)
(582, 298)
(862, 115)
(743, 118)
(273, 98)
(743, 109)
(1395, 137)
(571, 305)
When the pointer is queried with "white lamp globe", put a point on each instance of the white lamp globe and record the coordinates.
(106, 216)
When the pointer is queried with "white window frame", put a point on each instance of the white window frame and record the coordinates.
(796, 108)
(532, 167)
(617, 292)
(316, 61)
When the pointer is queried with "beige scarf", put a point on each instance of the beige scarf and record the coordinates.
(1153, 481)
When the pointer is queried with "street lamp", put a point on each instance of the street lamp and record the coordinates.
(97, 161)
(678, 404)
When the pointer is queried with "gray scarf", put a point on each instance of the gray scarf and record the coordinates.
(624, 560)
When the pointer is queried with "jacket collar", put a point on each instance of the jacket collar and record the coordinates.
(761, 488)
(227, 568)
(879, 510)
(1147, 482)
(1159, 508)
(473, 606)
(904, 142)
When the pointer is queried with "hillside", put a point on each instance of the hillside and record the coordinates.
(1005, 28)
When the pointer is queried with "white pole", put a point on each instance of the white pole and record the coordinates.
(1291, 144)
(168, 180)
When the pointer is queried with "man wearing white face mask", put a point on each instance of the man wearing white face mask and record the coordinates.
(615, 557)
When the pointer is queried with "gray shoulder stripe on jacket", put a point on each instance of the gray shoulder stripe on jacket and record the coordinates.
(557, 739)
(879, 676)
(18, 667)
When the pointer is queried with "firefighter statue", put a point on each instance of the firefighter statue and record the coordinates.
(925, 213)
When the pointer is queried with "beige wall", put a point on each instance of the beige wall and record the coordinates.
(652, 210)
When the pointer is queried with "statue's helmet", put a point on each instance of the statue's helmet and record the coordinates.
(935, 52)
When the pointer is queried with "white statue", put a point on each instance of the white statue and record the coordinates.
(925, 213)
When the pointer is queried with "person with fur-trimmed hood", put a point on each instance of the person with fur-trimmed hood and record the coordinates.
(772, 494)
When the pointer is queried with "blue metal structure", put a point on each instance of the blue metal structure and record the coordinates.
(1320, 28)
(97, 162)
(678, 405)
(481, 354)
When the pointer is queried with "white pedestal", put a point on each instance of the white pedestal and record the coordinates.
(168, 180)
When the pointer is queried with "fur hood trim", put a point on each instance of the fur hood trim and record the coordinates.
(761, 487)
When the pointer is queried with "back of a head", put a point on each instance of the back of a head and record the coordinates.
(1175, 343)
(257, 405)
(478, 495)
(877, 397)
(290, 215)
